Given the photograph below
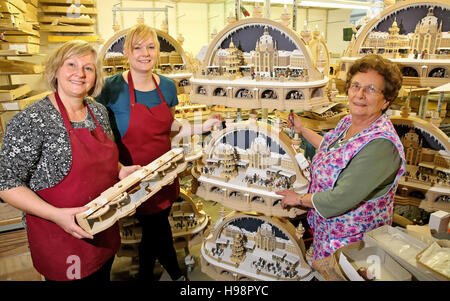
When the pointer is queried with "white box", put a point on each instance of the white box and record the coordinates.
(403, 248)
(439, 221)
(384, 267)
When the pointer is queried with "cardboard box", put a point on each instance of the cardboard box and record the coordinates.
(402, 247)
(439, 221)
(382, 266)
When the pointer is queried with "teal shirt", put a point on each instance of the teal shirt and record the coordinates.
(115, 96)
(368, 175)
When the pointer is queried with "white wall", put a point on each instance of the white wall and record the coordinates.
(196, 22)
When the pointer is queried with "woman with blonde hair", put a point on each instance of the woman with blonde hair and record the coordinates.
(57, 155)
(142, 108)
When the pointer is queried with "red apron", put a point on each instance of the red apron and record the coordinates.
(146, 139)
(94, 169)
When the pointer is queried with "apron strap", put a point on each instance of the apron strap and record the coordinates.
(132, 91)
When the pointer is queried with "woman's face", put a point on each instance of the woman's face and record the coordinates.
(143, 55)
(76, 76)
(365, 96)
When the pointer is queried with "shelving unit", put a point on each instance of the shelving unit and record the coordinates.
(67, 20)
(20, 41)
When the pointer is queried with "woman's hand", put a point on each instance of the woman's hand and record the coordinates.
(208, 125)
(291, 198)
(65, 218)
(125, 171)
(294, 121)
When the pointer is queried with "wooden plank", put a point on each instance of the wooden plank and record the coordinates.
(21, 47)
(33, 2)
(69, 11)
(8, 93)
(84, 2)
(20, 4)
(6, 7)
(62, 19)
(67, 28)
(23, 103)
(20, 66)
(62, 39)
(22, 39)
(9, 214)
(9, 22)
(5, 117)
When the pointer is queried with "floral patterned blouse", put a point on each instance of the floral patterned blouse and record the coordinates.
(36, 148)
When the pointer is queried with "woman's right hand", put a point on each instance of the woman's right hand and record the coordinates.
(65, 218)
(294, 121)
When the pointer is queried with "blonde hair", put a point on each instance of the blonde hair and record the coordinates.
(74, 48)
(137, 34)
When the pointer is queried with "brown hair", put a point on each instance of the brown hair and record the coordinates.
(74, 48)
(387, 69)
(138, 33)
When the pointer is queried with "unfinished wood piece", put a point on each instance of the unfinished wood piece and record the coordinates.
(21, 104)
(5, 117)
(63, 39)
(21, 67)
(124, 197)
(35, 3)
(9, 215)
(67, 28)
(22, 39)
(62, 19)
(84, 2)
(11, 22)
(13, 92)
(19, 4)
(69, 10)
(21, 48)
(15, 258)
(7, 7)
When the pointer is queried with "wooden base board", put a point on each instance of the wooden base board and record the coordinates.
(15, 258)
(67, 28)
(63, 39)
(13, 92)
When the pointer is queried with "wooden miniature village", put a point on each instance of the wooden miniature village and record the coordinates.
(254, 72)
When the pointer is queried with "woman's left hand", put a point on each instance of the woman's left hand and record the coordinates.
(215, 119)
(125, 171)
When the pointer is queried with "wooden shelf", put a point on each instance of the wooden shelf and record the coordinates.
(67, 28)
(61, 19)
(67, 10)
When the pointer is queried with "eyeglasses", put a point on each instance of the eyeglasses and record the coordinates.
(368, 90)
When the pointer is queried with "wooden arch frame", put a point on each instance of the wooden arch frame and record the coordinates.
(275, 134)
(159, 33)
(423, 125)
(354, 50)
(314, 73)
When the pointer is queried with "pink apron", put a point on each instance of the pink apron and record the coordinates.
(332, 233)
